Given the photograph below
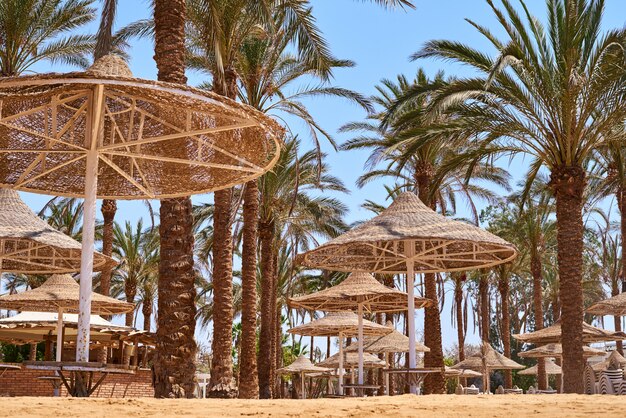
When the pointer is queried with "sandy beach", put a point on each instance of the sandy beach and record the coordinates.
(399, 406)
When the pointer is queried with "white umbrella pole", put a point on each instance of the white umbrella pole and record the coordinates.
(409, 252)
(94, 116)
(59, 335)
(360, 343)
(340, 386)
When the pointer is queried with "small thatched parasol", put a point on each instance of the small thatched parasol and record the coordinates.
(614, 361)
(551, 368)
(103, 133)
(556, 350)
(552, 334)
(465, 373)
(611, 306)
(486, 360)
(394, 342)
(60, 293)
(301, 366)
(408, 237)
(341, 324)
(352, 360)
(29, 245)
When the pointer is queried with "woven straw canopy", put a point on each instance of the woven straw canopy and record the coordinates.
(29, 245)
(466, 373)
(556, 350)
(551, 368)
(440, 243)
(552, 334)
(333, 323)
(492, 358)
(153, 139)
(303, 365)
(61, 291)
(613, 362)
(394, 342)
(357, 288)
(612, 306)
(351, 360)
(27, 327)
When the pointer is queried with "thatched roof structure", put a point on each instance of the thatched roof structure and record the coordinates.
(61, 291)
(489, 357)
(466, 373)
(556, 350)
(29, 245)
(351, 360)
(614, 361)
(551, 368)
(357, 288)
(611, 306)
(394, 342)
(156, 139)
(439, 243)
(335, 323)
(303, 365)
(552, 334)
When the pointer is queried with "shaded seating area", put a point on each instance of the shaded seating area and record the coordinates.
(606, 377)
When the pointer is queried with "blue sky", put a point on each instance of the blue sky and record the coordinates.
(380, 42)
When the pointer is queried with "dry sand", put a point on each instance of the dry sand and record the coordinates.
(438, 406)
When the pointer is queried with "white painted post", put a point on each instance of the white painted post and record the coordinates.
(360, 343)
(409, 252)
(94, 123)
(340, 386)
(59, 335)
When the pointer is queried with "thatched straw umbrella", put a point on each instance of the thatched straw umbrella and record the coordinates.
(464, 373)
(410, 237)
(103, 133)
(29, 245)
(486, 360)
(556, 350)
(340, 324)
(301, 366)
(614, 361)
(351, 360)
(612, 306)
(551, 369)
(552, 334)
(358, 291)
(60, 293)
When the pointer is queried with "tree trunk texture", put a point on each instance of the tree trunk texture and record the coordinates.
(503, 287)
(130, 290)
(146, 310)
(536, 270)
(568, 184)
(460, 329)
(222, 383)
(174, 363)
(249, 385)
(483, 291)
(617, 320)
(109, 208)
(277, 347)
(266, 236)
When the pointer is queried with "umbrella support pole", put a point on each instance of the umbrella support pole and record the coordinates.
(409, 252)
(94, 126)
(340, 385)
(59, 356)
(360, 343)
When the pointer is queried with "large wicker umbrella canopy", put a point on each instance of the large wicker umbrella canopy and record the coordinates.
(351, 360)
(408, 237)
(29, 245)
(615, 361)
(301, 366)
(556, 350)
(552, 334)
(394, 342)
(104, 133)
(551, 368)
(466, 373)
(611, 306)
(358, 288)
(60, 293)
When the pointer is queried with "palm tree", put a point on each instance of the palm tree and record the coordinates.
(553, 93)
(174, 363)
(418, 162)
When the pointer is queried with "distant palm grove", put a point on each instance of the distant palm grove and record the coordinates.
(550, 92)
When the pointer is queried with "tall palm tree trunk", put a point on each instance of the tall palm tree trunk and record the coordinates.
(266, 236)
(615, 290)
(222, 383)
(130, 291)
(460, 328)
(109, 208)
(483, 294)
(536, 271)
(146, 310)
(568, 184)
(249, 385)
(174, 363)
(505, 324)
